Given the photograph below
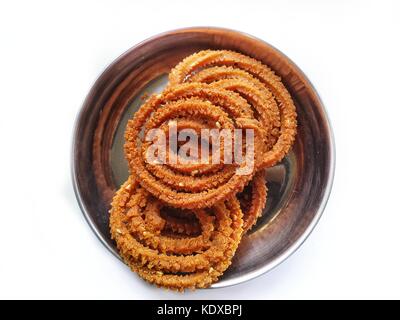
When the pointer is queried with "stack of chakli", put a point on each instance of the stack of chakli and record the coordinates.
(178, 224)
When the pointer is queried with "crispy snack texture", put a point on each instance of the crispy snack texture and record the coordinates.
(178, 224)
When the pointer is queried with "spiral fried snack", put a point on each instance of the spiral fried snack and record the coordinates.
(178, 223)
(186, 102)
(214, 65)
(175, 262)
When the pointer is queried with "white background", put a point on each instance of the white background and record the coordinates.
(52, 52)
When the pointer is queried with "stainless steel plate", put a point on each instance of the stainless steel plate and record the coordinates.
(299, 187)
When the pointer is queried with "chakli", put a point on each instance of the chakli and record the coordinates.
(178, 223)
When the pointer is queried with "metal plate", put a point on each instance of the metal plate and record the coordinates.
(299, 186)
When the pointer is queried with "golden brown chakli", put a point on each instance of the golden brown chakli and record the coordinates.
(178, 224)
